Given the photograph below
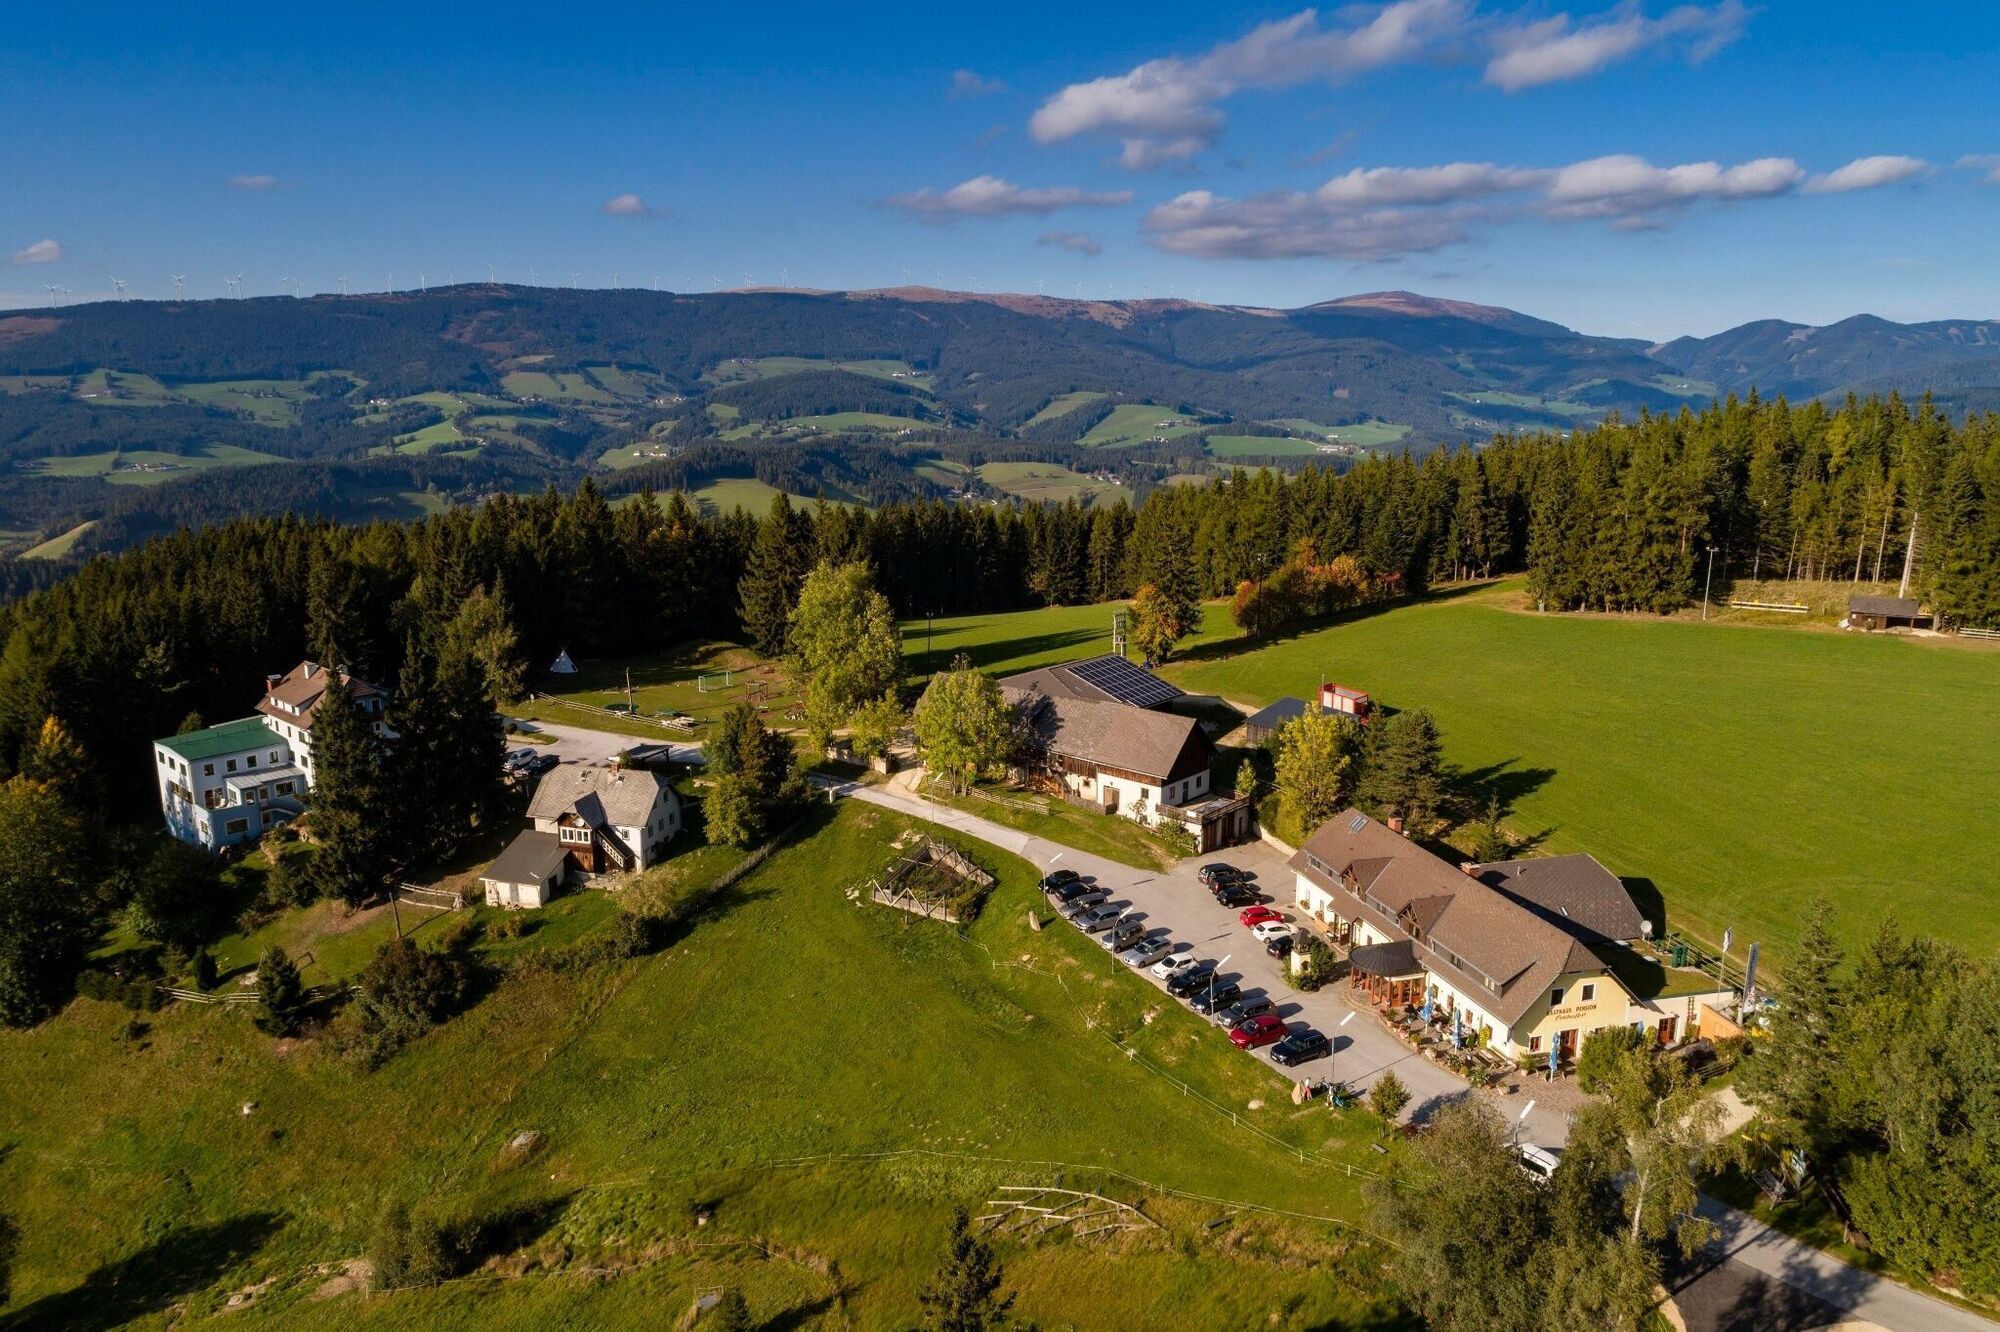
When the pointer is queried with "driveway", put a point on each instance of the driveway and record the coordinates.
(1175, 901)
(581, 744)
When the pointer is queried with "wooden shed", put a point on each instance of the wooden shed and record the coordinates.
(1871, 613)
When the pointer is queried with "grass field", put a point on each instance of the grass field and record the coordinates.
(1061, 405)
(763, 1065)
(1048, 481)
(1135, 423)
(747, 492)
(1741, 769)
(740, 370)
(1252, 446)
(667, 684)
(568, 386)
(58, 546)
(146, 467)
(1554, 406)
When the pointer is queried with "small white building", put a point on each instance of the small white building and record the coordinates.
(528, 872)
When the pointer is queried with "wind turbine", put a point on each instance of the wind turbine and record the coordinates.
(55, 296)
(451, 277)
(749, 279)
(614, 279)
(178, 278)
(785, 276)
(906, 277)
(490, 276)
(534, 278)
(1040, 282)
(343, 284)
(656, 282)
(422, 283)
(573, 277)
(118, 285)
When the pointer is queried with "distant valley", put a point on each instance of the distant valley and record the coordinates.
(120, 420)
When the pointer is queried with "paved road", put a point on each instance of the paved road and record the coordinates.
(1726, 1296)
(1175, 901)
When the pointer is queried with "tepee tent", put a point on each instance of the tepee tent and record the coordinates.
(563, 665)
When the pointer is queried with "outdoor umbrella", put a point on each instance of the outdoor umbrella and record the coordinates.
(1429, 1007)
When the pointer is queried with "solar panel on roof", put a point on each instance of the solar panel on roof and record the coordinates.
(1121, 680)
(1357, 823)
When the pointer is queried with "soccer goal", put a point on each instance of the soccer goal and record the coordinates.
(714, 682)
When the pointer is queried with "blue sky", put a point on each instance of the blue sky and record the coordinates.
(1642, 169)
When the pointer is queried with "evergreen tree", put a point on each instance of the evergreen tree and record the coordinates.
(47, 877)
(1796, 1081)
(350, 803)
(963, 1293)
(281, 995)
(1402, 771)
(770, 583)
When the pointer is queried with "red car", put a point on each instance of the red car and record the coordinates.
(1256, 915)
(1264, 1029)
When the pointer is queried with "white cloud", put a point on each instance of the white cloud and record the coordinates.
(1986, 163)
(253, 182)
(41, 252)
(1385, 212)
(1164, 109)
(1076, 242)
(990, 196)
(1868, 173)
(1451, 183)
(965, 83)
(630, 205)
(1556, 49)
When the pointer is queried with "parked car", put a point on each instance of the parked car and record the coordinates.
(1072, 893)
(1082, 902)
(1244, 1009)
(1281, 946)
(1099, 918)
(1250, 917)
(541, 763)
(1266, 930)
(1148, 952)
(1214, 998)
(1539, 1162)
(1235, 895)
(1124, 932)
(516, 757)
(1185, 979)
(1264, 1029)
(1301, 1047)
(1172, 965)
(1212, 874)
(1055, 879)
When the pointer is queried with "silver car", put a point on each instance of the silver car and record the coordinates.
(1099, 918)
(1147, 951)
(1123, 935)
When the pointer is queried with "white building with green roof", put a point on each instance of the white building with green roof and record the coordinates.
(227, 784)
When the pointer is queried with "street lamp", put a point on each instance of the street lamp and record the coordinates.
(1333, 1051)
(1706, 581)
(1211, 983)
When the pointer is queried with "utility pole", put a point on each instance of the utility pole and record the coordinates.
(1707, 581)
(396, 911)
(1909, 557)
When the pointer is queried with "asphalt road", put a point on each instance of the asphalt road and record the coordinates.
(580, 744)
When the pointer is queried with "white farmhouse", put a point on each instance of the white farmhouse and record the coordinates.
(587, 821)
(234, 782)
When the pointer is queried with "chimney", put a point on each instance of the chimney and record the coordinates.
(1396, 824)
(271, 682)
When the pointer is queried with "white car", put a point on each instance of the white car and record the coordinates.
(1267, 930)
(1173, 962)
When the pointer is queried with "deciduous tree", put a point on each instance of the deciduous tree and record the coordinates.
(963, 726)
(842, 647)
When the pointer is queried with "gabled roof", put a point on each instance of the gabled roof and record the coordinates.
(1482, 940)
(295, 696)
(1109, 678)
(530, 858)
(236, 737)
(1573, 892)
(602, 797)
(1112, 735)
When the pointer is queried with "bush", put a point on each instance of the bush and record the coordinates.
(1318, 961)
(283, 995)
(1602, 1052)
(291, 882)
(407, 1252)
(1388, 1096)
(201, 969)
(405, 991)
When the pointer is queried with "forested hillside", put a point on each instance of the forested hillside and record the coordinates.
(1618, 518)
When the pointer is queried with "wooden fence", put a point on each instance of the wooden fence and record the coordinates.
(1992, 635)
(1780, 607)
(904, 900)
(443, 899)
(619, 713)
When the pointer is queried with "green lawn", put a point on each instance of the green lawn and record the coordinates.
(1061, 405)
(1019, 641)
(1252, 446)
(747, 492)
(1049, 481)
(146, 467)
(1135, 423)
(1742, 770)
(1554, 406)
(1118, 839)
(1366, 433)
(763, 1065)
(739, 370)
(58, 546)
(561, 386)
(667, 683)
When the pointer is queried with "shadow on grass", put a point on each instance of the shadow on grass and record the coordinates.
(1504, 781)
(983, 655)
(1652, 903)
(185, 1260)
(1215, 649)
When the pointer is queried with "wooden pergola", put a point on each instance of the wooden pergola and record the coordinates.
(1388, 973)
